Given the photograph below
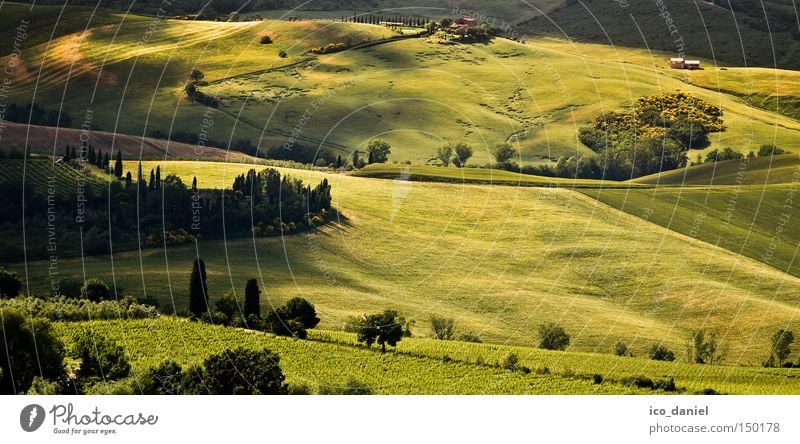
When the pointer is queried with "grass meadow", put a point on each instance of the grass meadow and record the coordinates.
(499, 259)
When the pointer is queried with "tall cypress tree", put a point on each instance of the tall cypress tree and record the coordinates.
(194, 184)
(152, 185)
(158, 177)
(72, 153)
(252, 294)
(106, 161)
(128, 179)
(140, 181)
(66, 154)
(98, 161)
(118, 165)
(198, 299)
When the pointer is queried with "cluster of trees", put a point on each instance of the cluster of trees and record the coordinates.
(417, 22)
(193, 93)
(378, 151)
(292, 319)
(781, 350)
(36, 115)
(162, 209)
(457, 155)
(730, 154)
(87, 153)
(653, 137)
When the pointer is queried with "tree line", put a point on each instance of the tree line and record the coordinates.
(161, 208)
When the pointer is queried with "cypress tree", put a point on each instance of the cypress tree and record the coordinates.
(198, 300)
(252, 294)
(152, 185)
(158, 177)
(356, 157)
(140, 181)
(66, 154)
(118, 165)
(72, 154)
(92, 158)
(339, 161)
(194, 184)
(128, 179)
(106, 161)
(98, 160)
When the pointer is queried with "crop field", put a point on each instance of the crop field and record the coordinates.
(41, 174)
(418, 365)
(319, 364)
(500, 260)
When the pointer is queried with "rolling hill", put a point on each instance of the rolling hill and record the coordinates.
(415, 93)
(500, 260)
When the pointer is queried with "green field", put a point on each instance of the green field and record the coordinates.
(501, 260)
(418, 366)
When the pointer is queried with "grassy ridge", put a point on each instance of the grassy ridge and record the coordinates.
(500, 260)
(756, 171)
(328, 359)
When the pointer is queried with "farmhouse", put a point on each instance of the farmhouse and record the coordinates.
(680, 63)
(676, 63)
(691, 64)
(466, 22)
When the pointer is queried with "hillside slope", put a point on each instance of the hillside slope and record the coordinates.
(782, 169)
(500, 260)
(699, 29)
(417, 94)
(51, 141)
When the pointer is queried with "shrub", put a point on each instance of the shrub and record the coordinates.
(638, 381)
(511, 362)
(293, 318)
(244, 372)
(229, 306)
(299, 389)
(30, 349)
(621, 349)
(66, 309)
(668, 385)
(99, 356)
(770, 150)
(10, 284)
(351, 387)
(162, 380)
(95, 290)
(469, 337)
(598, 379)
(266, 40)
(660, 353)
(282, 54)
(553, 337)
(442, 328)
